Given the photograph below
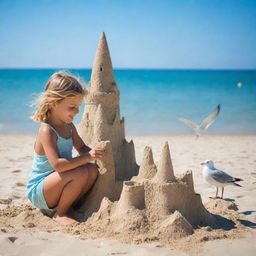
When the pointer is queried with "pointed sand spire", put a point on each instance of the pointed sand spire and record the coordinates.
(102, 78)
(148, 168)
(165, 168)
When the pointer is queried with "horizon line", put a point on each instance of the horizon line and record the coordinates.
(129, 68)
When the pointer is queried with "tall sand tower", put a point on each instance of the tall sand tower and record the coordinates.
(101, 119)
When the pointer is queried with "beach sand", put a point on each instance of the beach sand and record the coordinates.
(25, 231)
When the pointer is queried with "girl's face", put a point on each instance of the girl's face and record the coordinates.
(67, 109)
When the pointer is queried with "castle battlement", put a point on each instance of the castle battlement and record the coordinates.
(105, 98)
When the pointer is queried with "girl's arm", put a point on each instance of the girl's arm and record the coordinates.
(78, 142)
(48, 140)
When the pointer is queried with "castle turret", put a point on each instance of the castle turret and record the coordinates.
(102, 77)
(148, 168)
(165, 168)
(101, 119)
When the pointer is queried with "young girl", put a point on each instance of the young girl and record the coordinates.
(57, 180)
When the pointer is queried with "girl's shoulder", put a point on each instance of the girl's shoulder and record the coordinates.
(46, 131)
(45, 134)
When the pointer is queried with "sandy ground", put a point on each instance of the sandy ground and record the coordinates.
(233, 154)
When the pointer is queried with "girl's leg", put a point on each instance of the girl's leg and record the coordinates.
(62, 189)
(92, 176)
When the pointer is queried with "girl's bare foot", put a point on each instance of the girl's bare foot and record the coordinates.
(72, 213)
(65, 220)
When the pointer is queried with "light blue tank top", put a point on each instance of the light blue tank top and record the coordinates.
(41, 167)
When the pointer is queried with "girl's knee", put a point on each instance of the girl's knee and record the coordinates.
(93, 170)
(83, 173)
(80, 174)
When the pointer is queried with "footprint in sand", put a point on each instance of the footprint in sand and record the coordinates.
(12, 160)
(20, 184)
(5, 201)
(29, 225)
(16, 171)
(12, 238)
(16, 197)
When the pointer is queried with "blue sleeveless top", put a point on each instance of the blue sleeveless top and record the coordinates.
(41, 167)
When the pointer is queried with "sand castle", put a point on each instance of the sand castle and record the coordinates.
(150, 197)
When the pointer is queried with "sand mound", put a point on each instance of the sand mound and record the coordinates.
(175, 227)
(218, 206)
(133, 225)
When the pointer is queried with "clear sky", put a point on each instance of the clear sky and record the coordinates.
(179, 34)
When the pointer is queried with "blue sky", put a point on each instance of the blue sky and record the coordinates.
(192, 34)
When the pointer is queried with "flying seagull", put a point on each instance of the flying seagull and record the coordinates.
(205, 124)
(217, 177)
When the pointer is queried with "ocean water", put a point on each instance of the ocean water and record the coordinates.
(151, 100)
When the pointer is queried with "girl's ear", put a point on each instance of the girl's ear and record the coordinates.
(53, 104)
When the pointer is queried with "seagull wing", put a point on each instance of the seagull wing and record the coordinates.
(187, 122)
(221, 176)
(210, 119)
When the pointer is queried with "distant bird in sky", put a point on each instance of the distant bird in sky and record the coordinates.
(239, 84)
(205, 124)
(217, 177)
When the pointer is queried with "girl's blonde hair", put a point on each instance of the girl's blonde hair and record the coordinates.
(59, 86)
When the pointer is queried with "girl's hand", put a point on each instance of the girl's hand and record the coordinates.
(96, 153)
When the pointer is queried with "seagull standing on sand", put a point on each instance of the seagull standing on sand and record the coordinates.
(217, 177)
(205, 124)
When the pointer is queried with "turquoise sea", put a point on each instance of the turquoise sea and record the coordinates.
(151, 100)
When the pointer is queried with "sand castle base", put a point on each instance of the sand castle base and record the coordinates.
(163, 204)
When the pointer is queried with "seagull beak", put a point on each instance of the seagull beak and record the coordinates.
(203, 163)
